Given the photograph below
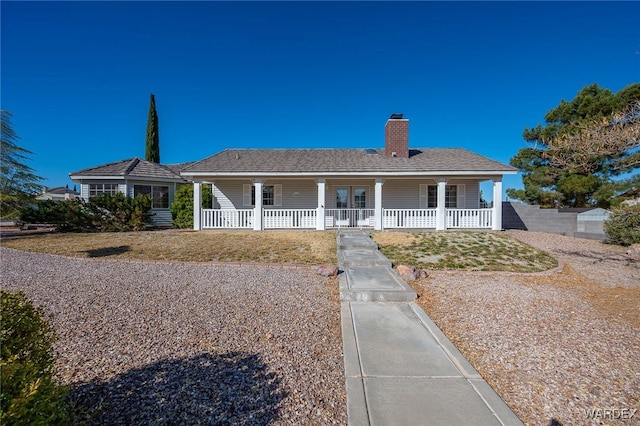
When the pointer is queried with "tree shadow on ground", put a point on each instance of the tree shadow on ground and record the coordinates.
(232, 388)
(107, 251)
(597, 257)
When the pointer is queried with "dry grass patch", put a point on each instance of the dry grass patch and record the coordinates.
(477, 251)
(303, 247)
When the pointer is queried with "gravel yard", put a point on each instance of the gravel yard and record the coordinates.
(553, 346)
(188, 343)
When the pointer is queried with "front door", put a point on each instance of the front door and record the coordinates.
(351, 202)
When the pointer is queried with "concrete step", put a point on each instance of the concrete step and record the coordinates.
(354, 239)
(374, 283)
(360, 256)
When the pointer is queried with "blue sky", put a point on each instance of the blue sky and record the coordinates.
(77, 75)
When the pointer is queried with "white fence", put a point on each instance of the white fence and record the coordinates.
(469, 218)
(347, 218)
(216, 219)
(408, 218)
(289, 218)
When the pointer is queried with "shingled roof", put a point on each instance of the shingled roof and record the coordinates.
(347, 161)
(132, 168)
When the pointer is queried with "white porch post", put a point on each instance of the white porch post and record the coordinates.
(497, 204)
(378, 205)
(441, 212)
(197, 206)
(320, 209)
(257, 210)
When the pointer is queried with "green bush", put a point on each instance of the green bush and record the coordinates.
(182, 207)
(105, 213)
(117, 213)
(28, 393)
(68, 215)
(623, 225)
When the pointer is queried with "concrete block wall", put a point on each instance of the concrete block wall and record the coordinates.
(533, 218)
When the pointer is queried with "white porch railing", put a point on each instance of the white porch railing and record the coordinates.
(289, 218)
(231, 218)
(408, 218)
(469, 218)
(349, 218)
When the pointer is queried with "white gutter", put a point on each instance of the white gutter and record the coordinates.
(347, 174)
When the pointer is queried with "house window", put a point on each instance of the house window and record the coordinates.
(450, 196)
(96, 189)
(267, 195)
(271, 195)
(159, 195)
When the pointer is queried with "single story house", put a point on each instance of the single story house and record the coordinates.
(387, 188)
(134, 176)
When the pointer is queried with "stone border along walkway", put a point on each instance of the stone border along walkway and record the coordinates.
(399, 367)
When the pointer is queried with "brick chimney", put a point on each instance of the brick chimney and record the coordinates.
(396, 137)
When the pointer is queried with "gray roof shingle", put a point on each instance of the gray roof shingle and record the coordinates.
(425, 160)
(132, 167)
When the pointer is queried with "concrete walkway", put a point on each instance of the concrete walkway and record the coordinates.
(400, 368)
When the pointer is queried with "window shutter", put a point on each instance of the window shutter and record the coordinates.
(246, 194)
(423, 196)
(460, 201)
(277, 195)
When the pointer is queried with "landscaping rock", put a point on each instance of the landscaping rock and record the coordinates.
(634, 251)
(423, 273)
(408, 272)
(327, 270)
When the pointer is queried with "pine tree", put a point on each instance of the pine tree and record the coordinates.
(18, 182)
(152, 152)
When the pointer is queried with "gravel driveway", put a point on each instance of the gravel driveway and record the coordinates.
(179, 343)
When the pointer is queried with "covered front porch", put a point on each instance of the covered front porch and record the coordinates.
(379, 204)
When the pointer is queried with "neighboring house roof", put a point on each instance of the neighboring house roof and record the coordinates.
(344, 161)
(131, 168)
(57, 193)
(60, 190)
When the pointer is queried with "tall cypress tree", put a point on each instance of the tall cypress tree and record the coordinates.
(152, 152)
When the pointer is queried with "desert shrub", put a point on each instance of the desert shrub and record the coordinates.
(104, 213)
(67, 215)
(116, 213)
(182, 206)
(623, 225)
(28, 393)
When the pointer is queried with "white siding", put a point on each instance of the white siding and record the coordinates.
(296, 194)
(161, 217)
(302, 193)
(84, 191)
(228, 194)
(471, 197)
(403, 194)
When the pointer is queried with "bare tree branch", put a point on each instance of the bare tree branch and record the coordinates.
(583, 149)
